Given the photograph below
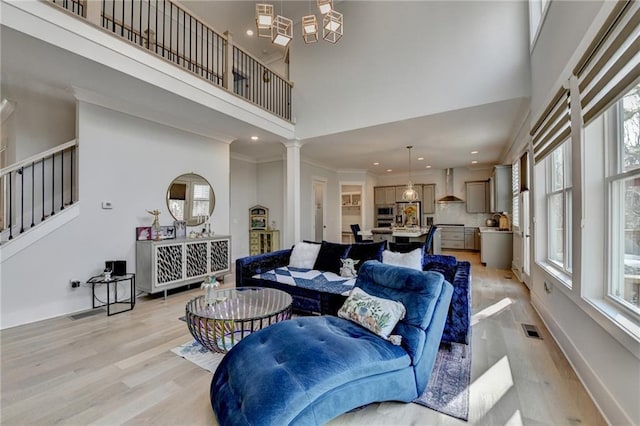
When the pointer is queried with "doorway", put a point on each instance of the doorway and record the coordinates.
(351, 209)
(319, 200)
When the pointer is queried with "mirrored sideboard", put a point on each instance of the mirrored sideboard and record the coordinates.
(166, 264)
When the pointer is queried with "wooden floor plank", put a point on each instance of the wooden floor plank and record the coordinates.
(119, 370)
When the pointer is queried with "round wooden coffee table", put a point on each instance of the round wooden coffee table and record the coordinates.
(234, 314)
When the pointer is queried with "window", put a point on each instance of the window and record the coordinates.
(624, 204)
(558, 202)
(537, 9)
(515, 192)
(200, 200)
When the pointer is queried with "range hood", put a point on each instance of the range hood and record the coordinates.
(449, 198)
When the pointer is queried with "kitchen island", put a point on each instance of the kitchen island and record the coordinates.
(496, 247)
(402, 235)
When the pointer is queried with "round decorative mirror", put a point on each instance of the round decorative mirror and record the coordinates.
(190, 198)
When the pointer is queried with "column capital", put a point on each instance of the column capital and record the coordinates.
(292, 143)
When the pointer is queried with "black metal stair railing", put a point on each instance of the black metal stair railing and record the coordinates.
(38, 188)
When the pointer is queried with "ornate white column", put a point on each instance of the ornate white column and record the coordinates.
(292, 196)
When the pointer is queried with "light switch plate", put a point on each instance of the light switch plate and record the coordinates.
(106, 205)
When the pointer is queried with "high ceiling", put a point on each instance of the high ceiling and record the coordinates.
(444, 139)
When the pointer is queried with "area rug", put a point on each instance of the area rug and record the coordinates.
(448, 388)
(447, 392)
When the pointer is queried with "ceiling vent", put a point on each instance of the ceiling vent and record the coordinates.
(449, 198)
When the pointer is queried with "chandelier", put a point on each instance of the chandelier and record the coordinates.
(280, 29)
(409, 193)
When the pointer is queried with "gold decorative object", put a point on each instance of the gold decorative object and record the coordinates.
(156, 223)
(325, 6)
(332, 26)
(310, 29)
(282, 30)
(264, 19)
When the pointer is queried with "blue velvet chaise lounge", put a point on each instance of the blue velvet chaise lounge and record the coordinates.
(308, 370)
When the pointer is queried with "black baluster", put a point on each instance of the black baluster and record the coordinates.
(113, 16)
(148, 25)
(171, 30)
(140, 27)
(123, 21)
(62, 180)
(164, 24)
(21, 173)
(72, 167)
(33, 192)
(10, 207)
(184, 37)
(42, 191)
(104, 6)
(53, 183)
(155, 42)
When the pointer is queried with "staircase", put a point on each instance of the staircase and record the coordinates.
(37, 189)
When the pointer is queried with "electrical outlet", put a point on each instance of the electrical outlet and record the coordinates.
(75, 283)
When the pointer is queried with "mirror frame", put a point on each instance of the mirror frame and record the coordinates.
(188, 179)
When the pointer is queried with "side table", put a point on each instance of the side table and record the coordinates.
(114, 280)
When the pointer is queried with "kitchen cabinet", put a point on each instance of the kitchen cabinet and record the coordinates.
(478, 199)
(429, 198)
(384, 195)
(470, 238)
(500, 188)
(496, 248)
(452, 237)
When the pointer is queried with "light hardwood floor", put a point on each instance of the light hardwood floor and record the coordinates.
(119, 370)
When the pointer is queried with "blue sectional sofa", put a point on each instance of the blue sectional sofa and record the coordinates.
(308, 370)
(326, 300)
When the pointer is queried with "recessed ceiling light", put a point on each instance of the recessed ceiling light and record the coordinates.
(474, 152)
(254, 138)
(249, 33)
(389, 170)
(428, 167)
(420, 158)
(474, 162)
(376, 164)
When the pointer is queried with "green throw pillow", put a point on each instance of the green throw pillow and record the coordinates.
(373, 313)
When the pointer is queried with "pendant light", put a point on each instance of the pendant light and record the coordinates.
(310, 27)
(282, 30)
(264, 19)
(409, 193)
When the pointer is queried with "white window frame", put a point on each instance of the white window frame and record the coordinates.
(614, 175)
(563, 267)
(515, 194)
(537, 13)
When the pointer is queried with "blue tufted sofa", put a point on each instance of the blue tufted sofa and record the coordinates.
(307, 301)
(308, 370)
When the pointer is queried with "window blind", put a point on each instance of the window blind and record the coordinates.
(611, 64)
(553, 127)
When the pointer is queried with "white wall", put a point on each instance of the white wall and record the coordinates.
(562, 31)
(130, 162)
(43, 118)
(332, 209)
(461, 54)
(270, 185)
(244, 175)
(592, 343)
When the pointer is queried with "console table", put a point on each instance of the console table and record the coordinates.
(166, 264)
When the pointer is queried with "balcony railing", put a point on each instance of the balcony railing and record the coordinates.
(172, 32)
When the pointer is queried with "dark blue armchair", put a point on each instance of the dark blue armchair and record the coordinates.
(306, 371)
